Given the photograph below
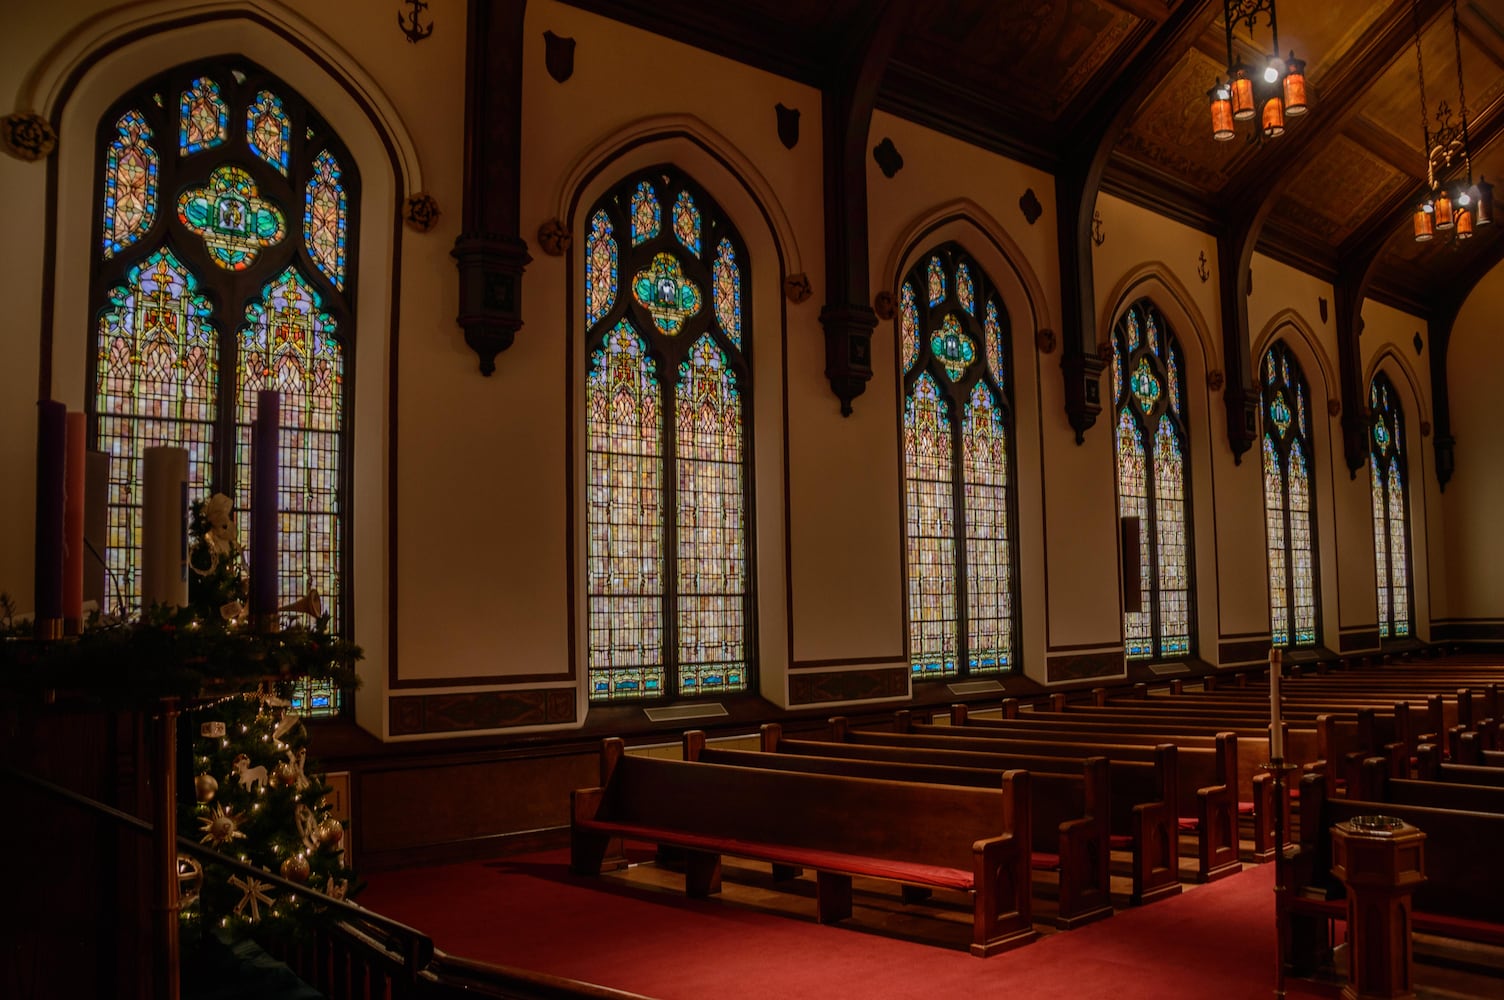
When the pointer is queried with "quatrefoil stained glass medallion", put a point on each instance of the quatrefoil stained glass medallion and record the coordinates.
(953, 348)
(666, 293)
(235, 223)
(1144, 385)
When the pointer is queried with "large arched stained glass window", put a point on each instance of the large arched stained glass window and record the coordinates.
(957, 430)
(1391, 510)
(1153, 482)
(225, 264)
(668, 462)
(1288, 514)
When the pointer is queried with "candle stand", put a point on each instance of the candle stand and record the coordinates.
(1278, 768)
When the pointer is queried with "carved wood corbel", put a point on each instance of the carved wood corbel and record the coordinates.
(490, 251)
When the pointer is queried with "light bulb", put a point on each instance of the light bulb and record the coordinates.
(1464, 199)
(1271, 75)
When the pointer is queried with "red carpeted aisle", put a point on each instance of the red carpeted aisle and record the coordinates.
(1216, 941)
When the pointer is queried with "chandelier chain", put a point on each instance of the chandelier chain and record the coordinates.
(1420, 75)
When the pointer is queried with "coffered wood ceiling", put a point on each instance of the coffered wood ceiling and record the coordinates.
(1022, 76)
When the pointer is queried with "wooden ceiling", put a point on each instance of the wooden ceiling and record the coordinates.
(1025, 77)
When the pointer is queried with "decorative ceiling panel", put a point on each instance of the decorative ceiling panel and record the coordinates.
(1337, 189)
(1393, 104)
(1320, 33)
(1172, 130)
(1040, 54)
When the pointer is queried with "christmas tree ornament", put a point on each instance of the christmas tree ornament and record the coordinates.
(331, 833)
(255, 895)
(336, 888)
(212, 730)
(308, 827)
(296, 869)
(287, 775)
(220, 827)
(249, 776)
(297, 758)
(204, 787)
(190, 879)
(289, 721)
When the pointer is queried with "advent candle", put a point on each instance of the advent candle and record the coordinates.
(164, 527)
(96, 525)
(1276, 726)
(74, 472)
(52, 422)
(264, 482)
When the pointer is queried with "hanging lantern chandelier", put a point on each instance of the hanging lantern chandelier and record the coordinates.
(1270, 93)
(1462, 206)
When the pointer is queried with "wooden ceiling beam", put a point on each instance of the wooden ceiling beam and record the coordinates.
(1077, 181)
(850, 95)
(1253, 192)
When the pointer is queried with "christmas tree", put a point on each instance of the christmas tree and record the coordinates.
(252, 797)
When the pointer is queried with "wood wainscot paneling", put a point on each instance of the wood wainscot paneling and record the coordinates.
(1084, 666)
(848, 685)
(1243, 650)
(465, 711)
(1468, 630)
(1350, 642)
(427, 811)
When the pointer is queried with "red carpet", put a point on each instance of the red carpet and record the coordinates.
(1215, 941)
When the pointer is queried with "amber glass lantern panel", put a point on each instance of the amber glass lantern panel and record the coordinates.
(1423, 230)
(1242, 97)
(1444, 220)
(1274, 118)
(1295, 89)
(1221, 117)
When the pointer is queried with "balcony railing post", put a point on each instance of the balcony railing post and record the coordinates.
(165, 951)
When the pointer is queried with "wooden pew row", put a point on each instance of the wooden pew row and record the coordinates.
(1429, 766)
(1206, 790)
(1142, 785)
(1070, 832)
(1379, 785)
(1462, 707)
(974, 840)
(1464, 870)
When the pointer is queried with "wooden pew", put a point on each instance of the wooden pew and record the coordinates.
(1379, 785)
(941, 836)
(1430, 767)
(1142, 782)
(1464, 869)
(1069, 808)
(1208, 799)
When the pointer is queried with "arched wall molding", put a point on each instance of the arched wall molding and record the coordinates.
(96, 77)
(604, 153)
(46, 86)
(749, 205)
(1290, 325)
(951, 221)
(1389, 358)
(1154, 281)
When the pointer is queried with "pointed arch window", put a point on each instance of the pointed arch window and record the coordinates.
(1153, 482)
(667, 442)
(1391, 507)
(1289, 517)
(224, 266)
(957, 446)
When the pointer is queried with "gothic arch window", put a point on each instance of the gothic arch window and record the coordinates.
(1153, 483)
(1391, 508)
(667, 442)
(957, 436)
(1288, 514)
(224, 264)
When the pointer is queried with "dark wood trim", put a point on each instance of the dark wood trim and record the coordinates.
(848, 685)
(919, 95)
(1084, 666)
(1141, 184)
(412, 715)
(491, 253)
(850, 661)
(1467, 630)
(1114, 644)
(1246, 651)
(1367, 639)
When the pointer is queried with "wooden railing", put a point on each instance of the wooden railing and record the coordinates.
(355, 954)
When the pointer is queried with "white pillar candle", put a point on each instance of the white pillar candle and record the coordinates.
(1276, 728)
(164, 527)
(96, 528)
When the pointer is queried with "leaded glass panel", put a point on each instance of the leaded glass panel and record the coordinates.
(1391, 512)
(1274, 519)
(957, 507)
(645, 213)
(324, 218)
(268, 130)
(727, 290)
(130, 184)
(202, 118)
(600, 268)
(1152, 481)
(687, 222)
(1287, 500)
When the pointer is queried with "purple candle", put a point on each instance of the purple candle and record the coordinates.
(264, 481)
(52, 422)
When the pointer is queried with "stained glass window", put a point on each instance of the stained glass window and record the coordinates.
(268, 130)
(1391, 510)
(181, 346)
(957, 425)
(130, 183)
(203, 117)
(325, 218)
(668, 537)
(1289, 519)
(1153, 482)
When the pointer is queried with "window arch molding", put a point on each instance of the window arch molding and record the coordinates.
(713, 170)
(1153, 282)
(85, 78)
